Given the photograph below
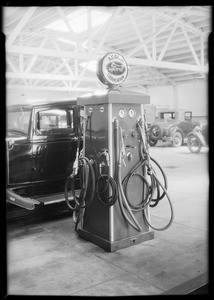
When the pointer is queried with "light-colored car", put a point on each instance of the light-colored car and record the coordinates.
(171, 126)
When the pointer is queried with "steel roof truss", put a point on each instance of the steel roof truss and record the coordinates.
(163, 27)
(190, 45)
(20, 25)
(11, 63)
(64, 18)
(138, 34)
(107, 29)
(167, 42)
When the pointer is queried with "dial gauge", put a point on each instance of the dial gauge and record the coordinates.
(122, 113)
(132, 113)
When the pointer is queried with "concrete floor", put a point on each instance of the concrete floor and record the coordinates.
(45, 257)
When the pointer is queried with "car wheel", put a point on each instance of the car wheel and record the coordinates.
(193, 143)
(177, 139)
(155, 132)
(152, 143)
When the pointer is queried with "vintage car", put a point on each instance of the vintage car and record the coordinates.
(41, 143)
(197, 138)
(171, 126)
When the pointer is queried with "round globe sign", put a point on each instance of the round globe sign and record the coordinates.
(112, 69)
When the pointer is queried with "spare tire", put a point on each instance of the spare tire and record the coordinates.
(155, 132)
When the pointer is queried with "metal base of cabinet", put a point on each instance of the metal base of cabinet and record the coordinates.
(115, 245)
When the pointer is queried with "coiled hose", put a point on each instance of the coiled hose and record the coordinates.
(105, 184)
(150, 187)
(124, 205)
(155, 182)
(86, 176)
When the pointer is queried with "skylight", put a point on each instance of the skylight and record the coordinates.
(78, 20)
(91, 65)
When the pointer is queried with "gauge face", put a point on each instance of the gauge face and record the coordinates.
(122, 113)
(132, 113)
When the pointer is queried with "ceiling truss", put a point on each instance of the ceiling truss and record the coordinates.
(162, 45)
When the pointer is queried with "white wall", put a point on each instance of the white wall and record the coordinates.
(194, 96)
(162, 96)
(24, 96)
(190, 96)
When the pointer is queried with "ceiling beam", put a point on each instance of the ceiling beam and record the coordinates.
(48, 88)
(187, 25)
(164, 27)
(11, 64)
(95, 56)
(107, 29)
(51, 52)
(167, 42)
(65, 20)
(34, 58)
(190, 45)
(167, 65)
(138, 33)
(21, 25)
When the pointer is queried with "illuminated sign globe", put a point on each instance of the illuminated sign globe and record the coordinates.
(112, 69)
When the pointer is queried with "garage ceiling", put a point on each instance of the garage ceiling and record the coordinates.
(56, 48)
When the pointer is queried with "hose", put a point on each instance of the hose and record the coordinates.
(149, 197)
(171, 208)
(81, 201)
(103, 184)
(155, 182)
(87, 169)
(124, 205)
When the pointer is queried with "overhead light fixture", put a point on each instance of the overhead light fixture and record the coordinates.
(78, 20)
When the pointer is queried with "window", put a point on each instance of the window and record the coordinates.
(18, 119)
(188, 115)
(167, 116)
(55, 121)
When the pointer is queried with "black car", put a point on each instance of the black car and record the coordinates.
(41, 144)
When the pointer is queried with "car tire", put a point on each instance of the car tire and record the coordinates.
(152, 142)
(193, 143)
(177, 139)
(155, 132)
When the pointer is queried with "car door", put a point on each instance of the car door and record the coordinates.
(54, 143)
(18, 146)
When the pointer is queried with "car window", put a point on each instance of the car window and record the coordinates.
(18, 119)
(55, 121)
(167, 116)
(188, 116)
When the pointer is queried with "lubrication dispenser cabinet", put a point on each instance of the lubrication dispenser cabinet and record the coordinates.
(118, 182)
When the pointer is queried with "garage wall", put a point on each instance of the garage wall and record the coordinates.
(194, 96)
(162, 96)
(19, 96)
(190, 96)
